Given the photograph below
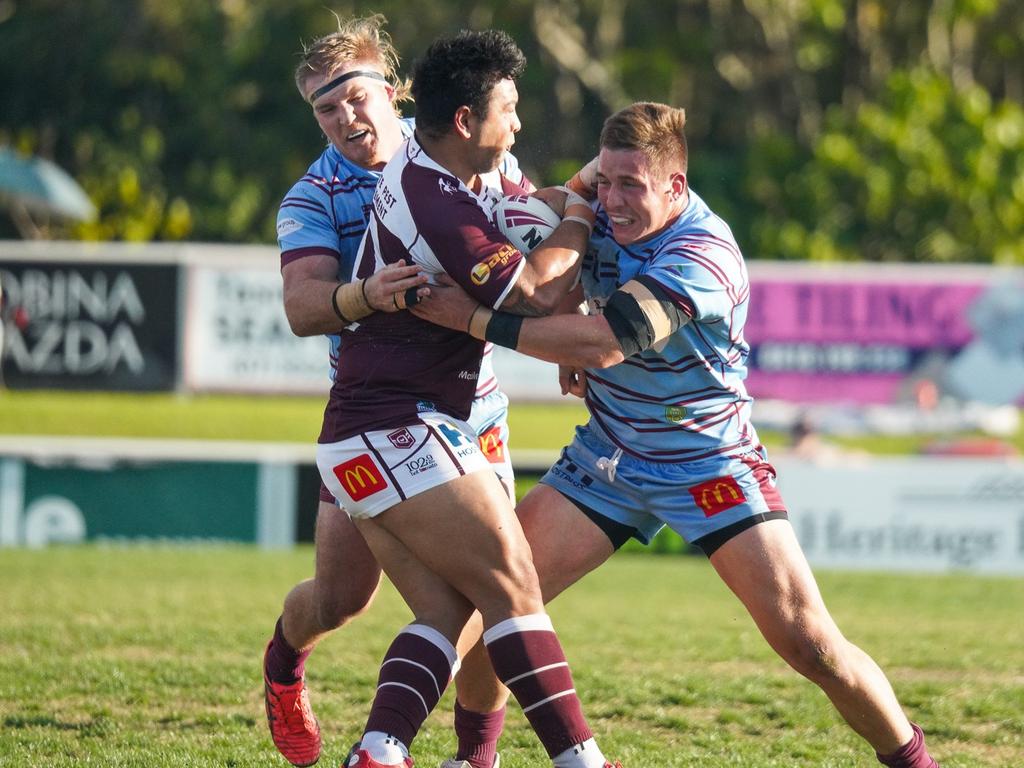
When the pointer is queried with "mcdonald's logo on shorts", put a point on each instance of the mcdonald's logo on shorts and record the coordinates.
(360, 477)
(718, 495)
(491, 445)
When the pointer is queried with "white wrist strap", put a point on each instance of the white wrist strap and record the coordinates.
(580, 220)
(572, 198)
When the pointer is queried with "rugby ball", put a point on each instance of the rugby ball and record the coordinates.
(525, 221)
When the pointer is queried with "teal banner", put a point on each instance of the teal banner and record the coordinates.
(183, 501)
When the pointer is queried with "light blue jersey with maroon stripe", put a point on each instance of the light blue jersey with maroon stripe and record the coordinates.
(327, 210)
(684, 400)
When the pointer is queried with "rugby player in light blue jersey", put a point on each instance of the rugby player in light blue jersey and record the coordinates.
(660, 359)
(349, 79)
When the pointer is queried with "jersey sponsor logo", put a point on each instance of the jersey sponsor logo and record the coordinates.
(402, 439)
(570, 472)
(481, 273)
(675, 413)
(469, 375)
(421, 464)
(287, 226)
(451, 433)
(718, 495)
(425, 406)
(360, 477)
(501, 256)
(492, 446)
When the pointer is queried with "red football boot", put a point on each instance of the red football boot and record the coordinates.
(293, 726)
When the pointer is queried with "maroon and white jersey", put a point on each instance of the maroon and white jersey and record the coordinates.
(393, 366)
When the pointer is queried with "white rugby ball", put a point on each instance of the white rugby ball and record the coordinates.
(525, 221)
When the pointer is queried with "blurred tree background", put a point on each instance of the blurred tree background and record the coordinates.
(820, 129)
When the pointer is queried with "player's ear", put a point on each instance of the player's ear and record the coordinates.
(391, 92)
(463, 116)
(677, 185)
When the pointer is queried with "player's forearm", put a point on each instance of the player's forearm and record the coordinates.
(551, 272)
(314, 306)
(307, 305)
(572, 303)
(575, 340)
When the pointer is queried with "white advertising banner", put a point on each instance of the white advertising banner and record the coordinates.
(909, 514)
(237, 336)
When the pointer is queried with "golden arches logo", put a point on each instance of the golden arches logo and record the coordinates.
(491, 445)
(716, 490)
(360, 475)
(717, 495)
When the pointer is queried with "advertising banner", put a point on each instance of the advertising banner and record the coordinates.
(237, 337)
(68, 501)
(909, 514)
(89, 325)
(872, 334)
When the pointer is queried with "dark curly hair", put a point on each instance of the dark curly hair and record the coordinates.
(461, 70)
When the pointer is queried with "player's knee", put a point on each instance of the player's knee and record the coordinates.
(519, 581)
(817, 656)
(337, 608)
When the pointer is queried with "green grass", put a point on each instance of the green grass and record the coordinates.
(224, 417)
(150, 657)
(297, 419)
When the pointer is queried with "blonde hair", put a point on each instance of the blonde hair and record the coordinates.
(657, 130)
(358, 39)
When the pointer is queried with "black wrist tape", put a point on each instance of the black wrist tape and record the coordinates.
(503, 329)
(412, 297)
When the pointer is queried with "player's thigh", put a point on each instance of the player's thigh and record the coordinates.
(566, 544)
(766, 569)
(466, 531)
(430, 598)
(347, 572)
(429, 485)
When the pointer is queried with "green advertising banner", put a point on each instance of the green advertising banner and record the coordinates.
(151, 501)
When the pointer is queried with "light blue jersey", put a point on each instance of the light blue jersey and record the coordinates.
(326, 212)
(683, 400)
(669, 440)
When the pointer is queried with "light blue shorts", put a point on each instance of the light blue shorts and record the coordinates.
(489, 419)
(707, 502)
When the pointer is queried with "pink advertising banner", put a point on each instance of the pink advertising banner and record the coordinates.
(871, 334)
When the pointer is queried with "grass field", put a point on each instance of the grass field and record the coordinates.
(151, 657)
(223, 417)
(228, 417)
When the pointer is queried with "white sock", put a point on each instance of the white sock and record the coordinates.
(384, 748)
(585, 755)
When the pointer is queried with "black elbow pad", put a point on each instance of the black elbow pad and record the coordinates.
(641, 314)
(628, 323)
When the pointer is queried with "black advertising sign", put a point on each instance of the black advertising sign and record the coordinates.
(90, 325)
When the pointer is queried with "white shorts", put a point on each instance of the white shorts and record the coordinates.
(374, 471)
